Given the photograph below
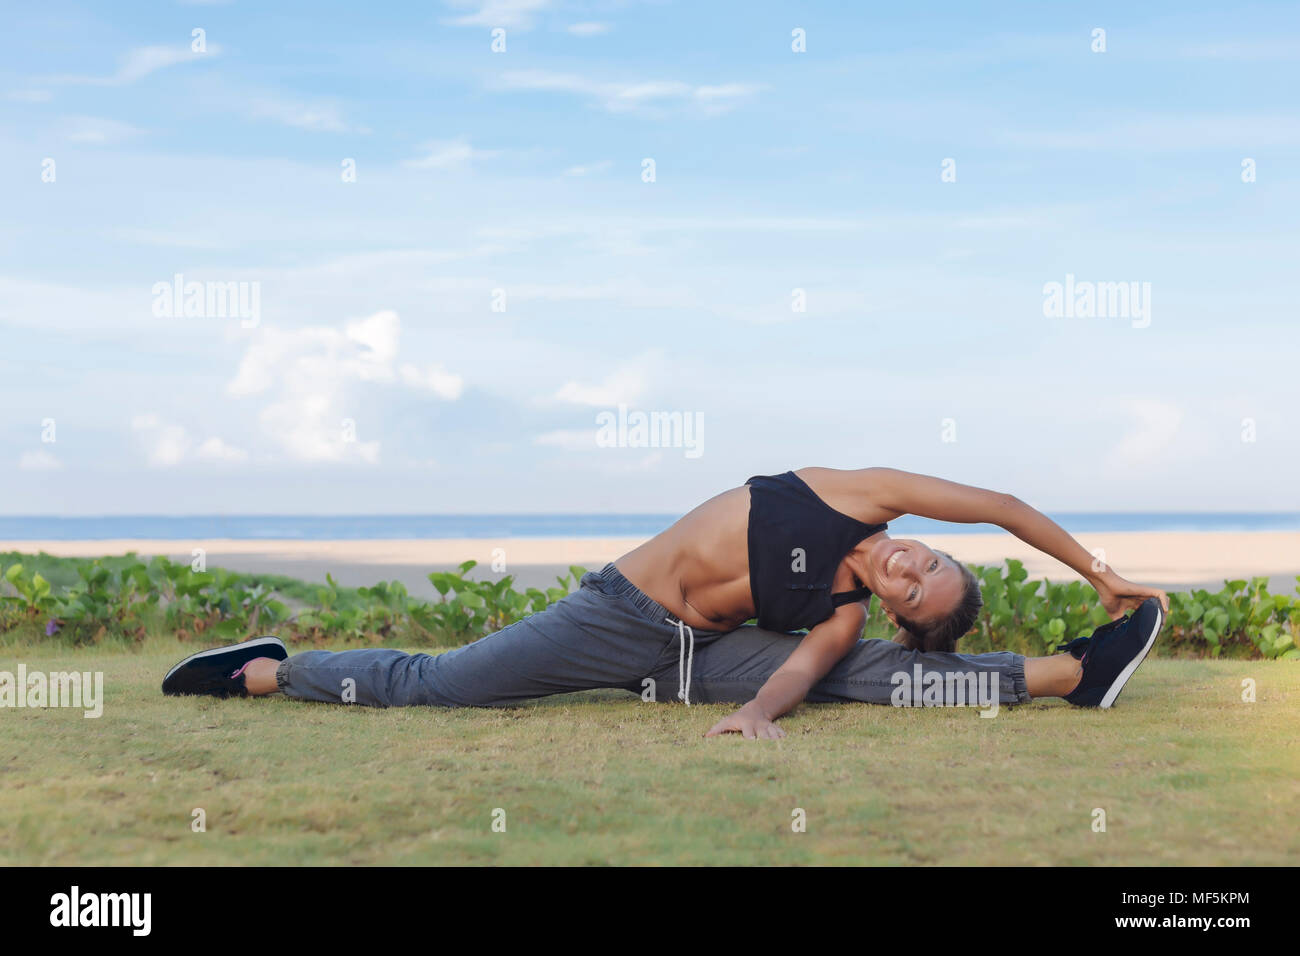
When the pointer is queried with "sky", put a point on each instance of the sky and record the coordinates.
(461, 236)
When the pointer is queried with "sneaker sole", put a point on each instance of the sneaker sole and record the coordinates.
(1133, 665)
(255, 642)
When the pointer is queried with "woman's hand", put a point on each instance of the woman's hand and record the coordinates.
(1118, 595)
(750, 723)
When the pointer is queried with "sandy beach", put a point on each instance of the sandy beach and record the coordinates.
(1171, 560)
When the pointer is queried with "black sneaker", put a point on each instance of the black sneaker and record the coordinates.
(1113, 653)
(219, 672)
(1079, 646)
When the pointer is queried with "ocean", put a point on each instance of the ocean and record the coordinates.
(360, 527)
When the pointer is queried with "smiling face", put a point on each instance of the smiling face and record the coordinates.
(910, 579)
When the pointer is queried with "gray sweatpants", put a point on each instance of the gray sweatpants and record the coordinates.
(610, 634)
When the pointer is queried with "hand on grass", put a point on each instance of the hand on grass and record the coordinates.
(750, 723)
(1118, 595)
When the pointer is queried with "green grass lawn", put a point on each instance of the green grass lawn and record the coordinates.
(1186, 771)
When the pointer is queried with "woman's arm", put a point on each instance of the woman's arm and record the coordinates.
(928, 497)
(818, 651)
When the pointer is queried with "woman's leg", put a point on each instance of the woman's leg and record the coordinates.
(734, 666)
(602, 635)
(1052, 676)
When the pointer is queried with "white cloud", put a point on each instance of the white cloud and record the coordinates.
(448, 154)
(139, 63)
(588, 29)
(589, 168)
(724, 91)
(1155, 426)
(96, 130)
(434, 379)
(214, 449)
(378, 335)
(498, 13)
(314, 377)
(620, 97)
(1163, 133)
(29, 96)
(622, 386)
(167, 444)
(142, 61)
(316, 117)
(40, 460)
(720, 98)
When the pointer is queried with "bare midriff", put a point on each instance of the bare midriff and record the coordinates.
(699, 568)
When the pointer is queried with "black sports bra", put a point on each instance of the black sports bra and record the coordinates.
(796, 544)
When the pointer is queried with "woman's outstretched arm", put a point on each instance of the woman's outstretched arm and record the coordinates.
(908, 493)
(817, 652)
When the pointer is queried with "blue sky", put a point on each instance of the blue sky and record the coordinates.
(522, 171)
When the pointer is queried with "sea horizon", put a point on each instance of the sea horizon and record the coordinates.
(397, 526)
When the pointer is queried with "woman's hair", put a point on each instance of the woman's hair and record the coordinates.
(943, 634)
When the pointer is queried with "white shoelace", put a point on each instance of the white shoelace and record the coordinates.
(685, 659)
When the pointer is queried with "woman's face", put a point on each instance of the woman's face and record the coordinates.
(910, 579)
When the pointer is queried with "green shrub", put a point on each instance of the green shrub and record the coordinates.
(80, 600)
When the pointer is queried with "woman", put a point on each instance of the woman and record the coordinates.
(803, 549)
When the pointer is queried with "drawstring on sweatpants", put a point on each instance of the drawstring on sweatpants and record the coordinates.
(685, 659)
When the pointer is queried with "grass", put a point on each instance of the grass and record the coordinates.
(1187, 773)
